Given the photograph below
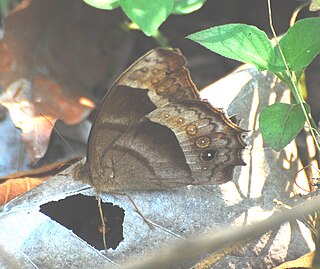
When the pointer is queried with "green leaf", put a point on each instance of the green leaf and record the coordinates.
(103, 4)
(187, 6)
(300, 45)
(147, 14)
(240, 42)
(4, 8)
(280, 123)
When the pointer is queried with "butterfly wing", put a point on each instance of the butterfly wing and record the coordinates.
(146, 156)
(210, 141)
(136, 136)
(164, 74)
(157, 78)
(183, 143)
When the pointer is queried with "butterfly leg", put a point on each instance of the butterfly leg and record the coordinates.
(103, 223)
(151, 226)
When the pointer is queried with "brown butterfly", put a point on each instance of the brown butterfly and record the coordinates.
(153, 131)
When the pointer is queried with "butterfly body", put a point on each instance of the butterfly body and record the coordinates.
(153, 131)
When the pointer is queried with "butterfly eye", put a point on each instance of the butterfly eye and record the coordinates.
(208, 155)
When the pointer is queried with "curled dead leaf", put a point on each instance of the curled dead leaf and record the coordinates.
(18, 183)
(35, 107)
(50, 58)
(15, 187)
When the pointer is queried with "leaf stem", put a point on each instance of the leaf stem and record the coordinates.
(294, 85)
(161, 39)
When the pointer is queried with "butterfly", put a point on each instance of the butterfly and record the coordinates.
(152, 131)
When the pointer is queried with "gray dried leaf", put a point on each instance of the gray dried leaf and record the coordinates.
(176, 214)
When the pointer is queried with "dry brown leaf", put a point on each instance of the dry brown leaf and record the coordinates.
(303, 262)
(18, 183)
(52, 53)
(41, 172)
(247, 199)
(15, 187)
(34, 108)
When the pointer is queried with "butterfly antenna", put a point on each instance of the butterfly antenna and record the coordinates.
(61, 136)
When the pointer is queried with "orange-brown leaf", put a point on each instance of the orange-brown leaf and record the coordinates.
(15, 187)
(52, 53)
(304, 261)
(18, 183)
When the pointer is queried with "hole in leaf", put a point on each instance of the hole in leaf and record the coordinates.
(80, 214)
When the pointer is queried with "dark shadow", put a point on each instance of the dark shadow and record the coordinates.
(80, 214)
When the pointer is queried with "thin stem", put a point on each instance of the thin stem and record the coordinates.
(161, 39)
(294, 82)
